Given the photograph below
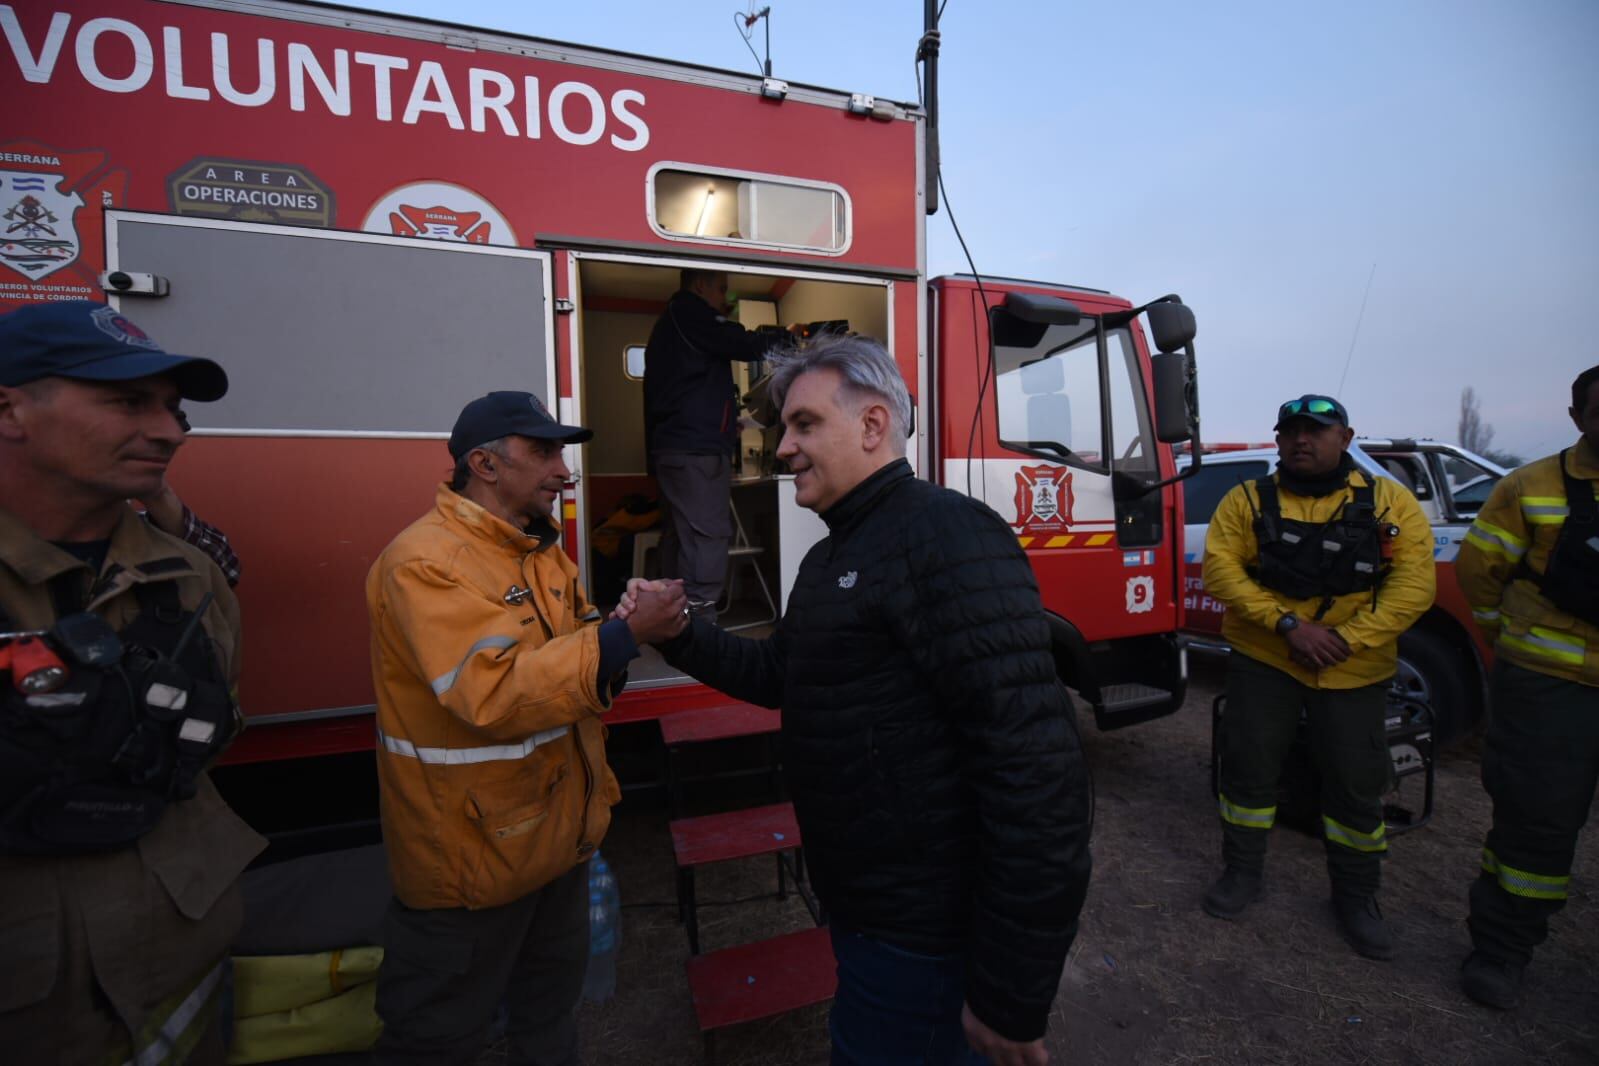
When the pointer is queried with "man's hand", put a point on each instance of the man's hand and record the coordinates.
(655, 611)
(997, 1049)
(165, 509)
(1315, 646)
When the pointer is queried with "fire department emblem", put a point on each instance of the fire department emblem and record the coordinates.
(38, 235)
(439, 211)
(50, 247)
(1043, 499)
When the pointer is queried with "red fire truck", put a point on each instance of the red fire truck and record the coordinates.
(370, 220)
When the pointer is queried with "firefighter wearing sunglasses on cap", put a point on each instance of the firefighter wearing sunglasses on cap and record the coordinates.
(1321, 568)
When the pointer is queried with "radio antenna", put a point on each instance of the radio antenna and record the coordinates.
(745, 23)
(1358, 319)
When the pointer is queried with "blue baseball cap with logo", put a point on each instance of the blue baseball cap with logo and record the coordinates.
(89, 341)
(502, 414)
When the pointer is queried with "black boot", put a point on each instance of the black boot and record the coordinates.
(1491, 982)
(1361, 922)
(1232, 892)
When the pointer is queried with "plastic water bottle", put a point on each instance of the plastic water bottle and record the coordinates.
(605, 931)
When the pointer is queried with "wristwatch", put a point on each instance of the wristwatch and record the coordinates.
(1287, 624)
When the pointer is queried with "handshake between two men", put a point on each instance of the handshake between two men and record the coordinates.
(655, 611)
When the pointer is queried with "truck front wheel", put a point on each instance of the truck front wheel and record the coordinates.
(1432, 671)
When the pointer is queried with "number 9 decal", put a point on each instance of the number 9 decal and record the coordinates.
(1140, 594)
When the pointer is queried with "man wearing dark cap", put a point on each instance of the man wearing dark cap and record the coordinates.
(492, 672)
(1321, 567)
(119, 863)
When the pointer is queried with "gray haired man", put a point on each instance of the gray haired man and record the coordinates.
(930, 748)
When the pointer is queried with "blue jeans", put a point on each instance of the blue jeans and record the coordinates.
(895, 1007)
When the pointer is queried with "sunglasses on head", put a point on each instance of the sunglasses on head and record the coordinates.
(1312, 407)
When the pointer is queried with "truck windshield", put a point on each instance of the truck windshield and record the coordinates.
(1049, 400)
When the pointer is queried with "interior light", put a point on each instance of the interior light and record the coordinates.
(705, 210)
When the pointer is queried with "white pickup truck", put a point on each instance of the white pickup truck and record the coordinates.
(1442, 659)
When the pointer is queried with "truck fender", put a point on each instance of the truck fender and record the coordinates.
(1073, 662)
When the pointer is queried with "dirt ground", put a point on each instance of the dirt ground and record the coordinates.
(1152, 979)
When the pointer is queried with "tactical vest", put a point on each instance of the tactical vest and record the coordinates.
(1304, 560)
(93, 764)
(1570, 579)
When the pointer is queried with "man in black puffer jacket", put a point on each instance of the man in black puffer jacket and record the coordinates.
(930, 748)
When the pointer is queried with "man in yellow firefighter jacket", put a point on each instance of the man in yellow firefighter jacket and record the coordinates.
(1321, 568)
(492, 671)
(1530, 570)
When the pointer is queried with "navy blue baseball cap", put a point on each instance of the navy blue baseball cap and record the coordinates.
(1323, 409)
(90, 341)
(501, 414)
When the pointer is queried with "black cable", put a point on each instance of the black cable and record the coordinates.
(985, 367)
(985, 371)
(738, 21)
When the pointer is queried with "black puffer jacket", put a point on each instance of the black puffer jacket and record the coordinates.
(929, 746)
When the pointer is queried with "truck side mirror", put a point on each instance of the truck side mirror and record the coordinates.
(1171, 322)
(1176, 395)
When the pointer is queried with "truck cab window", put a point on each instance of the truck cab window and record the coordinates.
(1048, 396)
(1468, 483)
(1049, 402)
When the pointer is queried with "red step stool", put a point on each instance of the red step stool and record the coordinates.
(734, 835)
(761, 979)
(708, 724)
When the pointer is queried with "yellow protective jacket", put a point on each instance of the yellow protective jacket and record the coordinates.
(1371, 630)
(491, 756)
(1520, 522)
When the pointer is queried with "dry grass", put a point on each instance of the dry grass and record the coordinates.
(1152, 979)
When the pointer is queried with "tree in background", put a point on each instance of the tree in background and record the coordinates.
(1475, 435)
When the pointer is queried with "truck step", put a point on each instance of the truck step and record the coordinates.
(1130, 703)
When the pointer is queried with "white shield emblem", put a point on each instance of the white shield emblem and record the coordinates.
(1046, 500)
(38, 235)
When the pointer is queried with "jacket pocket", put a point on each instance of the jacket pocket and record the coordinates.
(522, 833)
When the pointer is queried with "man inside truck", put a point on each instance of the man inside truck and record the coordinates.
(119, 863)
(691, 430)
(1321, 568)
(930, 748)
(492, 670)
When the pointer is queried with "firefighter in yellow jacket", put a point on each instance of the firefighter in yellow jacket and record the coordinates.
(492, 672)
(1530, 570)
(1320, 568)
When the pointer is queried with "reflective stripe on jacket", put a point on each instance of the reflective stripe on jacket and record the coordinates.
(1519, 525)
(1372, 632)
(491, 757)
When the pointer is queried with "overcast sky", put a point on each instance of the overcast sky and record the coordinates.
(1263, 159)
